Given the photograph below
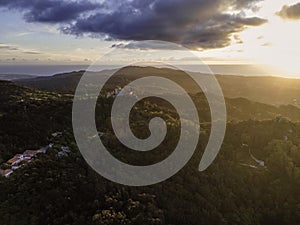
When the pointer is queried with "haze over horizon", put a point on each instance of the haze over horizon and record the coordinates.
(236, 70)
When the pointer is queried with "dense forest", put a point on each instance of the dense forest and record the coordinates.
(235, 189)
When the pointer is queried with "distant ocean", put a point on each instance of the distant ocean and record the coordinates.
(40, 70)
(47, 70)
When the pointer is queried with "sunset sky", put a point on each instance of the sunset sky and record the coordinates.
(219, 31)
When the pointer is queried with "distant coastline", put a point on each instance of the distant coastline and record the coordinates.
(234, 69)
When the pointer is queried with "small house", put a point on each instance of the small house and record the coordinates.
(19, 165)
(29, 154)
(56, 134)
(65, 149)
(19, 156)
(15, 160)
(15, 167)
(50, 145)
(41, 150)
(7, 173)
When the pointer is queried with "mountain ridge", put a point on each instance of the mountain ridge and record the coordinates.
(269, 90)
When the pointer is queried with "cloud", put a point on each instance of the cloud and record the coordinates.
(217, 31)
(17, 49)
(8, 47)
(32, 53)
(267, 44)
(197, 24)
(237, 39)
(214, 33)
(49, 11)
(260, 37)
(145, 45)
(193, 23)
(290, 12)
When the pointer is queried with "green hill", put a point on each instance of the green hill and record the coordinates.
(65, 190)
(28, 115)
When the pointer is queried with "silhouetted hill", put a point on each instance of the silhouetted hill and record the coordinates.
(269, 90)
(61, 83)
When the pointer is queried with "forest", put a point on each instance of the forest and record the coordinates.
(235, 189)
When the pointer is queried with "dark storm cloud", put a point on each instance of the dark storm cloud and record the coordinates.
(217, 31)
(193, 23)
(290, 12)
(50, 11)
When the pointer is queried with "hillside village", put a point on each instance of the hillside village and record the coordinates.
(21, 160)
(119, 91)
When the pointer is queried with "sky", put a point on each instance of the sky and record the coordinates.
(77, 32)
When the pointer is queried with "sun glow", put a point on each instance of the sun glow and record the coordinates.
(275, 43)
